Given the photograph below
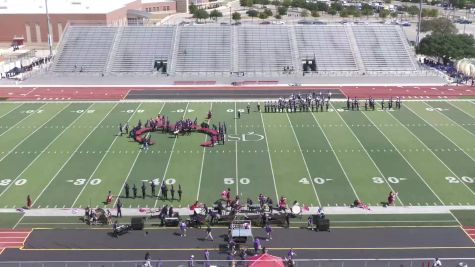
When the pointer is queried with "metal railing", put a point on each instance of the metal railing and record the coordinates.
(404, 262)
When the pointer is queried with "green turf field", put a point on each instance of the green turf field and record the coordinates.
(68, 154)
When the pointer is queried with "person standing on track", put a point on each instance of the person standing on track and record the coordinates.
(28, 202)
(248, 108)
(208, 233)
(119, 208)
(207, 258)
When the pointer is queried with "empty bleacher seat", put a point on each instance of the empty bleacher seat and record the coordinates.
(139, 47)
(264, 48)
(204, 49)
(382, 48)
(86, 49)
(328, 44)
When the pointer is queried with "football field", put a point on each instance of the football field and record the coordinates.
(68, 154)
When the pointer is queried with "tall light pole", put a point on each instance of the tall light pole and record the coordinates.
(419, 23)
(50, 41)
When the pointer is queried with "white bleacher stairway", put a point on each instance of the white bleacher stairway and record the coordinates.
(86, 49)
(113, 51)
(256, 49)
(139, 47)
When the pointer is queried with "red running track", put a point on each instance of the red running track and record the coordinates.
(58, 93)
(13, 238)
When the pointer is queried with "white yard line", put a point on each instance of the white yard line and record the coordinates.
(407, 161)
(437, 129)
(20, 121)
(15, 108)
(450, 119)
(428, 149)
(202, 163)
(458, 108)
(169, 158)
(369, 156)
(310, 177)
(336, 156)
(102, 159)
(66, 162)
(37, 129)
(72, 154)
(132, 167)
(270, 158)
(42, 151)
(236, 148)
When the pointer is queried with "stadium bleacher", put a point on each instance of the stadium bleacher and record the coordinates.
(139, 47)
(235, 49)
(264, 49)
(382, 48)
(85, 49)
(329, 45)
(204, 49)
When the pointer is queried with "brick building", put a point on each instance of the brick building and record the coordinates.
(26, 19)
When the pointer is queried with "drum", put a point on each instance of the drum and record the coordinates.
(296, 210)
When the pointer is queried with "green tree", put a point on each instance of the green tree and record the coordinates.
(298, 3)
(332, 12)
(248, 3)
(201, 14)
(453, 46)
(282, 10)
(236, 16)
(304, 13)
(276, 3)
(337, 6)
(345, 13)
(430, 12)
(287, 3)
(315, 14)
(322, 6)
(277, 16)
(439, 25)
(263, 15)
(413, 11)
(215, 14)
(252, 13)
(356, 13)
(383, 13)
(192, 8)
(393, 15)
(268, 12)
(367, 10)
